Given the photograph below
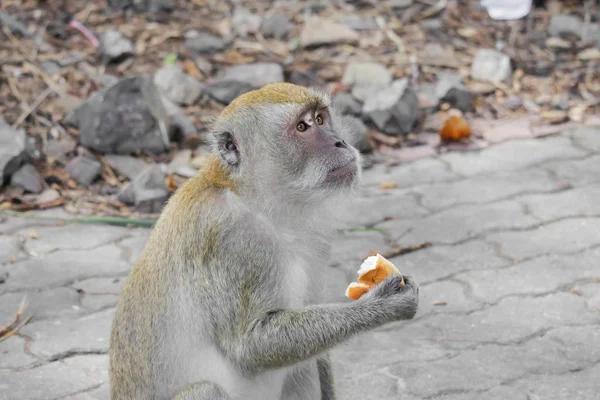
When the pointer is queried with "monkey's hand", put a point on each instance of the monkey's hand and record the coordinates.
(397, 301)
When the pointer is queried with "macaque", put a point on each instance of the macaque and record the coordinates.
(222, 303)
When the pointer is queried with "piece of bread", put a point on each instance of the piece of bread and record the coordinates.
(355, 290)
(373, 271)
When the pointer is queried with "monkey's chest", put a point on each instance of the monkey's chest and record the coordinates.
(296, 288)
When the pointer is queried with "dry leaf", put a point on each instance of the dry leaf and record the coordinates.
(33, 235)
(555, 116)
(438, 303)
(388, 185)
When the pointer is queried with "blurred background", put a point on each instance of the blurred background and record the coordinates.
(105, 106)
(479, 124)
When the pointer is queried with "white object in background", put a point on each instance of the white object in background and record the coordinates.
(507, 9)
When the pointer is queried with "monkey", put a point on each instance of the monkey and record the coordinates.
(222, 303)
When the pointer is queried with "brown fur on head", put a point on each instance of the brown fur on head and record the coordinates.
(284, 142)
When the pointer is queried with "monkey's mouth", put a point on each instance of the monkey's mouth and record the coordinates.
(342, 172)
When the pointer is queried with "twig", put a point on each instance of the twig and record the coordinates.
(32, 108)
(385, 139)
(433, 10)
(380, 21)
(12, 328)
(147, 223)
(398, 251)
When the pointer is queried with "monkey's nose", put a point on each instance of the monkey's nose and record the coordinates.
(341, 144)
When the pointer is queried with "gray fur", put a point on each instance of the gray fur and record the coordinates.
(222, 303)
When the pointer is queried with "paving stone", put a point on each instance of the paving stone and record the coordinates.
(133, 247)
(12, 354)
(581, 202)
(484, 189)
(511, 320)
(576, 172)
(489, 365)
(452, 294)
(371, 210)
(591, 293)
(564, 236)
(53, 339)
(580, 385)
(369, 385)
(436, 262)
(76, 237)
(459, 223)
(63, 302)
(62, 267)
(511, 155)
(55, 380)
(419, 172)
(101, 393)
(537, 276)
(349, 249)
(360, 356)
(99, 293)
(588, 137)
(9, 248)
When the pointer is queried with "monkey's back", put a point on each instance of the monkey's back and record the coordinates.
(171, 321)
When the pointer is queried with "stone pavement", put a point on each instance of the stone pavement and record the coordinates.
(510, 288)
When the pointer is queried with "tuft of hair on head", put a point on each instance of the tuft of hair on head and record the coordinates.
(275, 93)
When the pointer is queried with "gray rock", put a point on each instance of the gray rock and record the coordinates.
(27, 178)
(13, 148)
(148, 191)
(345, 103)
(72, 58)
(14, 25)
(277, 26)
(225, 91)
(181, 125)
(513, 102)
(205, 43)
(256, 74)
(491, 65)
(150, 6)
(395, 109)
(126, 165)
(363, 92)
(561, 103)
(244, 22)
(357, 132)
(48, 196)
(366, 78)
(317, 32)
(84, 169)
(359, 23)
(451, 89)
(126, 117)
(114, 46)
(564, 24)
(177, 85)
(50, 67)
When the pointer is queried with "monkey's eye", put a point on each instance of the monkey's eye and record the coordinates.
(230, 145)
(319, 120)
(301, 127)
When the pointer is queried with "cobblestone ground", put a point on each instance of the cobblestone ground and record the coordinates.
(510, 289)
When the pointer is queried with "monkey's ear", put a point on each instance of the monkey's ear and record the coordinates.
(226, 145)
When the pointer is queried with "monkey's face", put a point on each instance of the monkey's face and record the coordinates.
(317, 156)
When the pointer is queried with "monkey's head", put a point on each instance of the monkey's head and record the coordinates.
(288, 140)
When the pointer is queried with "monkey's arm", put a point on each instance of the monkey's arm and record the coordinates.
(326, 377)
(285, 337)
